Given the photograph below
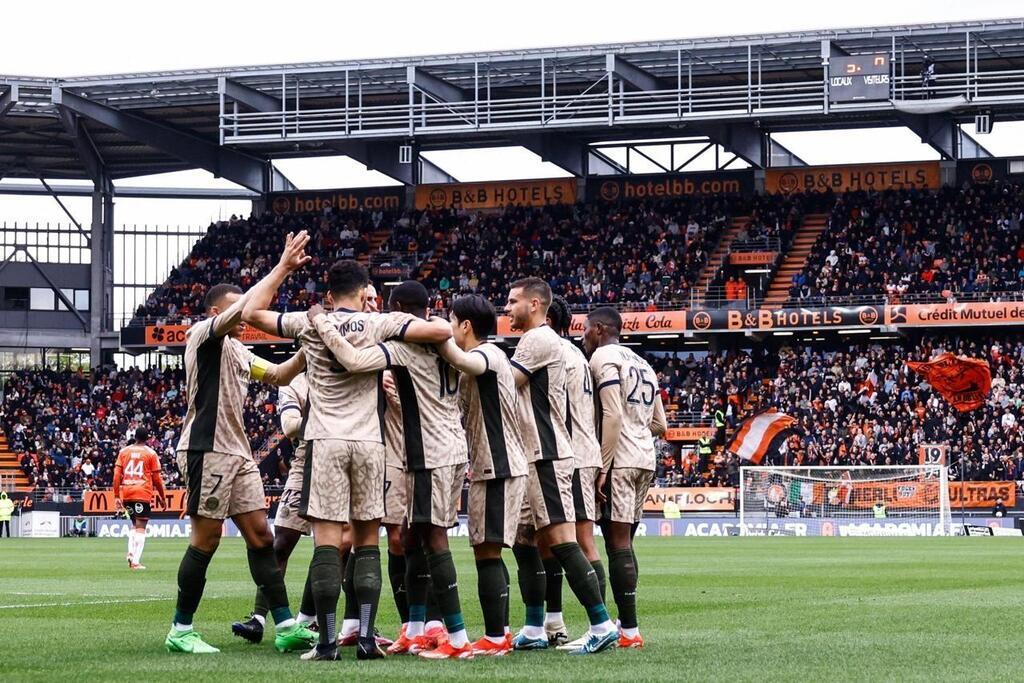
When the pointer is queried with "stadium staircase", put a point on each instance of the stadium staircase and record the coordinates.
(263, 450)
(10, 468)
(377, 238)
(430, 263)
(813, 226)
(709, 273)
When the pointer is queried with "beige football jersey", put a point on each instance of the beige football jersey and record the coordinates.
(614, 364)
(394, 442)
(579, 407)
(492, 425)
(428, 390)
(541, 357)
(343, 405)
(217, 381)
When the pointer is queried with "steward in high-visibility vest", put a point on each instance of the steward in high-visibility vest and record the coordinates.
(703, 453)
(880, 510)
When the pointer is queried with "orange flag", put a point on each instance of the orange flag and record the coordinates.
(964, 382)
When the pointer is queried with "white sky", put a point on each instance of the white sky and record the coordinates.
(64, 38)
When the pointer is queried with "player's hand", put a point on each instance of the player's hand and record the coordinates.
(601, 498)
(314, 311)
(118, 505)
(388, 382)
(294, 255)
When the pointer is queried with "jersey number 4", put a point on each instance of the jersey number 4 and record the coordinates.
(134, 469)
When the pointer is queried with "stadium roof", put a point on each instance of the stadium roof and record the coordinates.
(145, 123)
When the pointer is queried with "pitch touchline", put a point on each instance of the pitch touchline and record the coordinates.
(88, 602)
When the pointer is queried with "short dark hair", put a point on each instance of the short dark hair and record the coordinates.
(216, 294)
(411, 295)
(607, 316)
(141, 435)
(534, 286)
(478, 311)
(346, 277)
(560, 314)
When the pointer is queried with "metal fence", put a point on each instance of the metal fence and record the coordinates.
(600, 104)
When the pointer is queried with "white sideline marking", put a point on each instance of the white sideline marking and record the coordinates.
(153, 598)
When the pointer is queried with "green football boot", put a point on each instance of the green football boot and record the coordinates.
(295, 638)
(187, 641)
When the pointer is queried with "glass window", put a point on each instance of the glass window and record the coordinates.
(15, 298)
(42, 299)
(82, 299)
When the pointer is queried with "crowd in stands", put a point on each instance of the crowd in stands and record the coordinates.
(635, 254)
(639, 254)
(860, 405)
(242, 250)
(66, 428)
(881, 246)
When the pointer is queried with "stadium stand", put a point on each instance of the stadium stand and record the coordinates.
(634, 255)
(857, 401)
(631, 253)
(241, 250)
(66, 428)
(859, 405)
(902, 245)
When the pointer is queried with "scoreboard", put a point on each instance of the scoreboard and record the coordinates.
(858, 78)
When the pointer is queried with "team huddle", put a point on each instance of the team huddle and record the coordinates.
(388, 413)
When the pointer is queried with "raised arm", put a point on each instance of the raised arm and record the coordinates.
(278, 375)
(659, 422)
(434, 331)
(228, 319)
(259, 297)
(470, 363)
(352, 359)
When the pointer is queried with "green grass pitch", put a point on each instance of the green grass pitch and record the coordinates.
(731, 609)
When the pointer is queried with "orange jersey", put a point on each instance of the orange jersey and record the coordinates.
(137, 473)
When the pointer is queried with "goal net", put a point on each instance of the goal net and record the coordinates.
(889, 500)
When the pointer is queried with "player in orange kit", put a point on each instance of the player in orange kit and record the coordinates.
(136, 475)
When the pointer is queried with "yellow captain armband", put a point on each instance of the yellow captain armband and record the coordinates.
(258, 369)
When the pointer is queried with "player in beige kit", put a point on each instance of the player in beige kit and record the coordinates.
(289, 527)
(539, 370)
(435, 460)
(215, 458)
(579, 407)
(497, 463)
(631, 414)
(344, 478)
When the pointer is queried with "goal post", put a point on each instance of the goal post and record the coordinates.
(886, 500)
